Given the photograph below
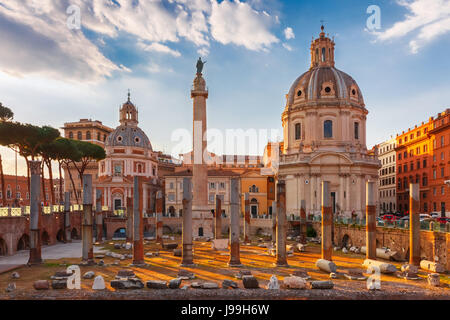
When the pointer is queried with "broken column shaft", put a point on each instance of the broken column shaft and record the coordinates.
(187, 255)
(281, 224)
(159, 222)
(99, 216)
(274, 221)
(88, 250)
(129, 228)
(35, 213)
(371, 222)
(303, 222)
(414, 224)
(67, 224)
(235, 260)
(327, 221)
(218, 218)
(138, 223)
(246, 217)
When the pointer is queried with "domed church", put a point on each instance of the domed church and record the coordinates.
(129, 153)
(324, 129)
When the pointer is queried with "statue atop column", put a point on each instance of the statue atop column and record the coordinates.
(200, 65)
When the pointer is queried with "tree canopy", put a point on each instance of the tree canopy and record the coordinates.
(5, 113)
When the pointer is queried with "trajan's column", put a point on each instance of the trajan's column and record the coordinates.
(202, 220)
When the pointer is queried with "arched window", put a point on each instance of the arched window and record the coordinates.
(323, 54)
(88, 135)
(356, 130)
(298, 131)
(328, 129)
(79, 135)
(70, 135)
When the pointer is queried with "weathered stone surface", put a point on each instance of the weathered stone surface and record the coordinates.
(126, 274)
(229, 284)
(11, 287)
(155, 284)
(294, 283)
(302, 274)
(185, 287)
(175, 283)
(99, 283)
(326, 266)
(128, 246)
(219, 244)
(432, 266)
(15, 275)
(152, 254)
(210, 285)
(89, 275)
(41, 285)
(300, 247)
(186, 275)
(177, 252)
(354, 274)
(434, 279)
(101, 263)
(100, 256)
(59, 284)
(273, 283)
(289, 249)
(242, 273)
(333, 275)
(336, 248)
(116, 263)
(127, 284)
(117, 246)
(170, 246)
(322, 285)
(344, 250)
(410, 268)
(196, 285)
(62, 274)
(117, 256)
(250, 282)
(386, 268)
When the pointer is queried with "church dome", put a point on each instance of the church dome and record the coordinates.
(323, 83)
(126, 136)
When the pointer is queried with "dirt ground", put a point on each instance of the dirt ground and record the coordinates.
(211, 266)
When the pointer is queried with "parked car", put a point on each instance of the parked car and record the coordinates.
(425, 216)
(405, 218)
(389, 217)
(435, 214)
(443, 220)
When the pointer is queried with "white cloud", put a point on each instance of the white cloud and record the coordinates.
(158, 47)
(204, 52)
(237, 23)
(289, 33)
(426, 21)
(287, 47)
(36, 39)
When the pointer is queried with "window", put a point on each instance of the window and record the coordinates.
(171, 185)
(399, 169)
(222, 185)
(442, 141)
(88, 135)
(425, 163)
(442, 190)
(323, 54)
(424, 180)
(399, 156)
(328, 129)
(434, 158)
(118, 170)
(411, 166)
(405, 168)
(70, 135)
(298, 131)
(434, 173)
(356, 130)
(442, 172)
(211, 197)
(1, 195)
(98, 136)
(418, 164)
(425, 148)
(442, 156)
(405, 155)
(212, 185)
(79, 135)
(171, 197)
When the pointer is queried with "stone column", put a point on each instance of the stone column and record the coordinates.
(414, 224)
(371, 222)
(88, 249)
(35, 213)
(281, 224)
(129, 229)
(218, 220)
(145, 199)
(312, 193)
(188, 259)
(274, 221)
(303, 221)
(327, 220)
(347, 193)
(138, 223)
(235, 260)
(159, 222)
(67, 224)
(358, 194)
(99, 216)
(246, 217)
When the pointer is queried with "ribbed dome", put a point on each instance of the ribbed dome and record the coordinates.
(125, 136)
(325, 83)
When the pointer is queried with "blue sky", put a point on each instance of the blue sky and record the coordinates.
(50, 74)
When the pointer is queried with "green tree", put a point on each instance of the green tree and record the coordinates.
(5, 115)
(89, 152)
